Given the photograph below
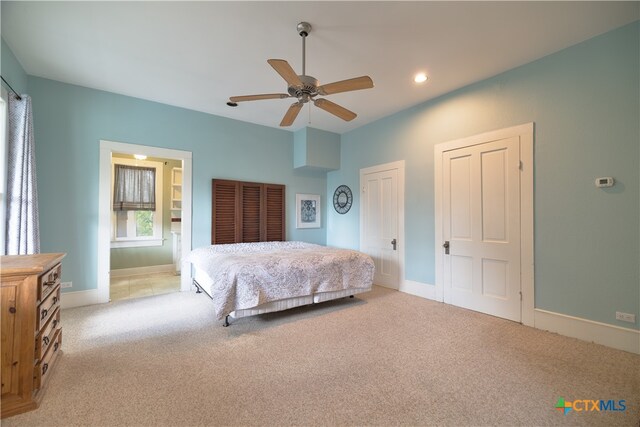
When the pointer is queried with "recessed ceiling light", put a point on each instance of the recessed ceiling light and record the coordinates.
(139, 156)
(420, 77)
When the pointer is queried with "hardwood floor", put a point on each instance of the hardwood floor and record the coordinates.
(143, 286)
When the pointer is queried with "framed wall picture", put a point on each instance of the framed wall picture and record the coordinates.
(308, 211)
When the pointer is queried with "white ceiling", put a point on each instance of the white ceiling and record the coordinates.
(197, 54)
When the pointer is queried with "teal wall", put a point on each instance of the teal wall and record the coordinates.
(584, 101)
(316, 149)
(11, 69)
(69, 122)
(300, 148)
(323, 149)
(151, 255)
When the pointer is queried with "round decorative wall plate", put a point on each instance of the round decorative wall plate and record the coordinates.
(342, 199)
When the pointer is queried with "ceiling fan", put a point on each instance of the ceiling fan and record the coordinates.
(305, 88)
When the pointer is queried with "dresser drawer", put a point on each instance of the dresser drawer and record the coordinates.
(46, 337)
(47, 308)
(48, 282)
(30, 311)
(43, 367)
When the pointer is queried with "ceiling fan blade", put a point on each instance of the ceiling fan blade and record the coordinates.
(291, 114)
(335, 109)
(357, 83)
(258, 97)
(284, 69)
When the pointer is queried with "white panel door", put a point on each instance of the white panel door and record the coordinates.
(481, 220)
(380, 205)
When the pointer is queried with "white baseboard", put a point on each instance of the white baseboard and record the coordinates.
(137, 271)
(419, 289)
(588, 330)
(79, 298)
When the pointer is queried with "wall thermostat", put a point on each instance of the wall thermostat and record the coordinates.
(605, 181)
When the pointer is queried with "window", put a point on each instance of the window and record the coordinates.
(136, 193)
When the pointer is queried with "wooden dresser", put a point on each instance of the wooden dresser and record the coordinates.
(31, 331)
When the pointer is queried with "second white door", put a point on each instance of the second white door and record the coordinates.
(481, 227)
(380, 224)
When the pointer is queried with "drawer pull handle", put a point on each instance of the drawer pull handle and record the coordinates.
(45, 340)
(55, 346)
(50, 283)
(46, 311)
(55, 322)
(44, 368)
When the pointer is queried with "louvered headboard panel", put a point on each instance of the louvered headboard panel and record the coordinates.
(251, 201)
(247, 212)
(274, 201)
(224, 222)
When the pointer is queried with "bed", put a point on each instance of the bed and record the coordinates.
(246, 279)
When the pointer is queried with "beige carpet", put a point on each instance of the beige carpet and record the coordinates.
(386, 358)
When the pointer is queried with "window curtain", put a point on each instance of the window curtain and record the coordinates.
(134, 188)
(22, 225)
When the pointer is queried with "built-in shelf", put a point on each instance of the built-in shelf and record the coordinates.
(176, 215)
(176, 192)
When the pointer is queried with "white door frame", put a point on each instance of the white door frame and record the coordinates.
(399, 165)
(525, 132)
(104, 207)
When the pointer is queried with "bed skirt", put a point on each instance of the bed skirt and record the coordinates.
(205, 283)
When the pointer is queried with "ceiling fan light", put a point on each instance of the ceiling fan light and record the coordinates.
(139, 156)
(420, 78)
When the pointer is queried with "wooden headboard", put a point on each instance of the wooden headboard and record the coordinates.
(247, 212)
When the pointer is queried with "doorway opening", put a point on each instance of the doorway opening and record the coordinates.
(145, 226)
(140, 247)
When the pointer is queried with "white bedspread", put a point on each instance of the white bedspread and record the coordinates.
(246, 275)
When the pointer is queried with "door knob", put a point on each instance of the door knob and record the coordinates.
(446, 247)
(393, 242)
